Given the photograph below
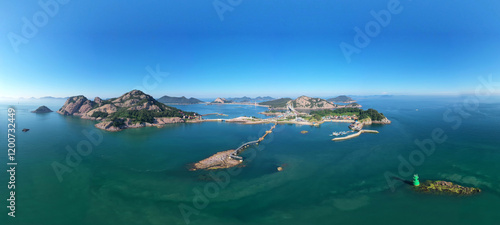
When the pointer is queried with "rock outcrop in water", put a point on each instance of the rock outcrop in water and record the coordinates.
(131, 110)
(220, 160)
(42, 109)
(446, 187)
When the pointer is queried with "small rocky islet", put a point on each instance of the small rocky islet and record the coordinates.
(445, 187)
(42, 109)
(220, 160)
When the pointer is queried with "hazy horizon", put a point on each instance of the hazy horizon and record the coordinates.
(2, 98)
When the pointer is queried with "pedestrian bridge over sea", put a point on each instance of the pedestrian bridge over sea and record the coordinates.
(235, 153)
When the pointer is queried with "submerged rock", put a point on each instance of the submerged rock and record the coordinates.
(446, 187)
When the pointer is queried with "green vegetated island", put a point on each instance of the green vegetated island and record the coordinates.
(133, 109)
(179, 100)
(316, 110)
(341, 99)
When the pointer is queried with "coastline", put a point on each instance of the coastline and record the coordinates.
(250, 121)
(159, 122)
(162, 121)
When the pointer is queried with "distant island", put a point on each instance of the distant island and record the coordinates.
(221, 101)
(248, 99)
(131, 110)
(341, 99)
(52, 98)
(241, 101)
(40, 98)
(179, 100)
(42, 109)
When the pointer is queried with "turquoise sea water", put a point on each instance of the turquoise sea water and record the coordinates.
(140, 176)
(231, 111)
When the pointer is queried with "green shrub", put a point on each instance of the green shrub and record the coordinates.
(118, 122)
(97, 114)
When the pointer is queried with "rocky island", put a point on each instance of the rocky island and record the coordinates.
(229, 158)
(133, 109)
(248, 99)
(220, 160)
(42, 109)
(221, 101)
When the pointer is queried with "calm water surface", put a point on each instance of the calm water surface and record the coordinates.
(140, 176)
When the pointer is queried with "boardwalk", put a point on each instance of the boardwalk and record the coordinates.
(242, 147)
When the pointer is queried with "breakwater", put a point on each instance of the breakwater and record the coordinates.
(354, 135)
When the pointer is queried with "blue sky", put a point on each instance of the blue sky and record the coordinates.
(261, 47)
